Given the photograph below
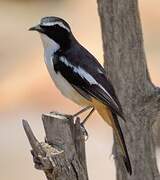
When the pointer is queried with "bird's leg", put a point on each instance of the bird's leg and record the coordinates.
(89, 114)
(85, 119)
(83, 110)
(83, 122)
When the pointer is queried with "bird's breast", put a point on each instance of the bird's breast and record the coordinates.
(62, 84)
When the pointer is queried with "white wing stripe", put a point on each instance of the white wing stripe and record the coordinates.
(85, 75)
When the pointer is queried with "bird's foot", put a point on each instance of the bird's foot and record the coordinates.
(84, 131)
(81, 124)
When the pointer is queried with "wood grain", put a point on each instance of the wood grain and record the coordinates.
(126, 67)
(62, 155)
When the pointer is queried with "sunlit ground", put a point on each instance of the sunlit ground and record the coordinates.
(26, 89)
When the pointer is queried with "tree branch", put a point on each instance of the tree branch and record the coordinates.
(62, 156)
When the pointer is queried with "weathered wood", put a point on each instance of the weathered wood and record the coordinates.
(125, 64)
(62, 156)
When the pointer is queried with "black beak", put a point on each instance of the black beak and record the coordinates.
(37, 28)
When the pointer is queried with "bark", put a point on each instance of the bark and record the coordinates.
(125, 64)
(62, 155)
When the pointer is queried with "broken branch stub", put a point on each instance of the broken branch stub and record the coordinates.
(62, 156)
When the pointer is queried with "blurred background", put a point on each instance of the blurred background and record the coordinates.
(26, 90)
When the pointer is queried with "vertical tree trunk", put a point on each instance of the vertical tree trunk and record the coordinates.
(125, 64)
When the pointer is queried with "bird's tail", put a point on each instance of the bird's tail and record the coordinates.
(111, 118)
(120, 139)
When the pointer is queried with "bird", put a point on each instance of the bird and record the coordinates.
(80, 77)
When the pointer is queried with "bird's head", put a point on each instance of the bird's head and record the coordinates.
(54, 30)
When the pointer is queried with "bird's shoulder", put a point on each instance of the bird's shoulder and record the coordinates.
(80, 56)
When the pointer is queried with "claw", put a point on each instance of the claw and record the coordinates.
(84, 131)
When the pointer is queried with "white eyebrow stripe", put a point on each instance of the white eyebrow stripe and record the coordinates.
(87, 76)
(56, 23)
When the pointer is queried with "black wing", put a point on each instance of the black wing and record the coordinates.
(88, 77)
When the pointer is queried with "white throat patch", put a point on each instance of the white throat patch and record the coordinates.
(49, 44)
